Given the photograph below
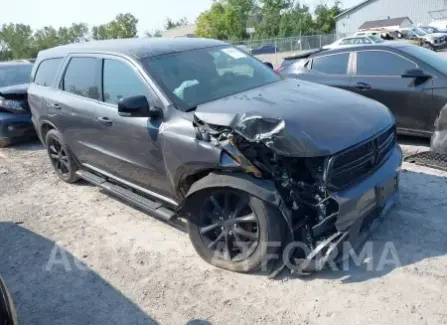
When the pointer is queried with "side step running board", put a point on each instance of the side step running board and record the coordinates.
(151, 207)
(91, 178)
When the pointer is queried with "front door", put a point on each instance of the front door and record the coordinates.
(379, 77)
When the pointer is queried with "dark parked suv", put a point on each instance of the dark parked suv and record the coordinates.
(198, 130)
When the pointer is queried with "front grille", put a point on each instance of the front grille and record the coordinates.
(355, 163)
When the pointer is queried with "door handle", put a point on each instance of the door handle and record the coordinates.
(105, 120)
(56, 105)
(362, 86)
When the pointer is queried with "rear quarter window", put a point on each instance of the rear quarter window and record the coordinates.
(47, 71)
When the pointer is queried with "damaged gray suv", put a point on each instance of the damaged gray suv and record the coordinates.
(197, 130)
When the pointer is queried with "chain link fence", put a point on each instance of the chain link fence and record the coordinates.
(275, 49)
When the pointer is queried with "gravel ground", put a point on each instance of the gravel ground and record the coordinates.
(71, 254)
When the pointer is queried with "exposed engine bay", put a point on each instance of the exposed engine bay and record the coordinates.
(258, 146)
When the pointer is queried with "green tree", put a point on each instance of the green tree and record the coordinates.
(15, 41)
(325, 17)
(296, 21)
(170, 24)
(211, 23)
(48, 36)
(155, 33)
(73, 34)
(226, 19)
(237, 14)
(45, 38)
(271, 12)
(123, 26)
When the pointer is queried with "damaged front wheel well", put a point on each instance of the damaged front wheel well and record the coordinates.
(186, 183)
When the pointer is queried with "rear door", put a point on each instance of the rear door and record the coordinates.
(378, 75)
(331, 70)
(41, 90)
(77, 100)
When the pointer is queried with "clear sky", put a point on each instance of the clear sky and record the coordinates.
(150, 13)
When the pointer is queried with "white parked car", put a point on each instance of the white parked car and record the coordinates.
(355, 40)
(434, 41)
(243, 48)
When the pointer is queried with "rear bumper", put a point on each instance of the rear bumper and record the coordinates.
(361, 209)
(16, 126)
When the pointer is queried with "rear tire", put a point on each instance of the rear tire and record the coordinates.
(264, 227)
(61, 157)
(8, 315)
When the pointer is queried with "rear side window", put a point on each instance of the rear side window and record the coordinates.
(378, 63)
(121, 81)
(82, 77)
(333, 64)
(46, 73)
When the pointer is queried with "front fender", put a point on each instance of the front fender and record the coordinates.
(260, 188)
(263, 189)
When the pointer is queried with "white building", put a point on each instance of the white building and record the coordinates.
(184, 31)
(417, 11)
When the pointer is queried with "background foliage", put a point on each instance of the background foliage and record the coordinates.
(224, 20)
(228, 19)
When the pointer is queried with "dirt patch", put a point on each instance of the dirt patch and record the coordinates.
(120, 266)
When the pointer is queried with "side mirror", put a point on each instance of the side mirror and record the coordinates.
(269, 64)
(415, 74)
(137, 106)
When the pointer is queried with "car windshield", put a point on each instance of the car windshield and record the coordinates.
(419, 32)
(195, 77)
(376, 39)
(439, 62)
(15, 74)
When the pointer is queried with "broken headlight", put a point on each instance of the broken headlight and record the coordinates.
(12, 105)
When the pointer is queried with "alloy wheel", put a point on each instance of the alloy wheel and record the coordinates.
(229, 227)
(58, 157)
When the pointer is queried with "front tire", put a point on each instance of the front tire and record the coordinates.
(61, 157)
(234, 230)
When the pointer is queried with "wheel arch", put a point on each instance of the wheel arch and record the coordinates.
(261, 188)
(44, 127)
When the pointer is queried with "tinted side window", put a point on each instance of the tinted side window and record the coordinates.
(46, 72)
(82, 77)
(377, 63)
(120, 81)
(333, 64)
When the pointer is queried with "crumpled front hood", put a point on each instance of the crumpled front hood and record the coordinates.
(14, 91)
(299, 118)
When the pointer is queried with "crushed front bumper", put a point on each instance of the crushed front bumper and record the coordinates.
(14, 127)
(361, 209)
